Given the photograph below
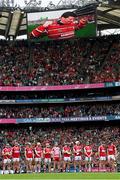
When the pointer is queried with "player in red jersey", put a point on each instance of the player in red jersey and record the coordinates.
(66, 157)
(7, 154)
(62, 28)
(38, 157)
(77, 150)
(111, 155)
(88, 156)
(47, 152)
(29, 155)
(16, 157)
(102, 156)
(56, 153)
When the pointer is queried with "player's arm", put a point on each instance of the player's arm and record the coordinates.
(11, 151)
(37, 32)
(82, 23)
(99, 150)
(36, 152)
(25, 154)
(116, 152)
(3, 153)
(44, 151)
(85, 151)
(74, 151)
(91, 152)
(60, 154)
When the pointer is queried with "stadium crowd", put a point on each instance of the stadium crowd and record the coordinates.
(60, 62)
(54, 111)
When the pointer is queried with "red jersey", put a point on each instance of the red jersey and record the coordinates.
(38, 152)
(16, 152)
(29, 152)
(77, 150)
(56, 152)
(6, 153)
(102, 151)
(55, 30)
(88, 151)
(111, 150)
(48, 152)
(66, 151)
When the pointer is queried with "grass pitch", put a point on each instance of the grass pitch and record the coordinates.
(63, 176)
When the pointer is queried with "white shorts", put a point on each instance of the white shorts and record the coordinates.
(6, 161)
(102, 158)
(111, 157)
(29, 159)
(37, 159)
(16, 159)
(88, 158)
(78, 158)
(47, 160)
(67, 159)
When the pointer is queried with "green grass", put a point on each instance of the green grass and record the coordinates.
(63, 176)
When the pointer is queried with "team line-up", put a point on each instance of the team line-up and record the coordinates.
(37, 158)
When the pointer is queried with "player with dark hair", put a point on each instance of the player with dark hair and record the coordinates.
(29, 155)
(47, 152)
(66, 157)
(7, 155)
(88, 156)
(102, 156)
(16, 157)
(62, 28)
(111, 155)
(77, 150)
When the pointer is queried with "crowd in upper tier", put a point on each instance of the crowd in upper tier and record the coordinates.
(60, 62)
(58, 111)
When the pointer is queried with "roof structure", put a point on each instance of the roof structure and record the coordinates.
(13, 23)
(108, 17)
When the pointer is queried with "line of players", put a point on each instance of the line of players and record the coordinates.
(60, 158)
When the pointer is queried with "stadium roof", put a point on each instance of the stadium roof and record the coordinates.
(13, 23)
(108, 17)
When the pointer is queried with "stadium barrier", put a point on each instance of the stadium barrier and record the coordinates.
(58, 88)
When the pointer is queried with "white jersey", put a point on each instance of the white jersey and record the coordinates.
(56, 152)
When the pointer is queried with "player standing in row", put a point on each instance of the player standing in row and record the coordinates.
(16, 157)
(77, 150)
(102, 156)
(7, 155)
(112, 154)
(66, 157)
(38, 157)
(29, 155)
(47, 154)
(88, 156)
(56, 154)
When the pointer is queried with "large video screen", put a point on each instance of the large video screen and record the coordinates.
(61, 24)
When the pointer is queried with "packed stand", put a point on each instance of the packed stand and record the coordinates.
(59, 62)
(54, 111)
